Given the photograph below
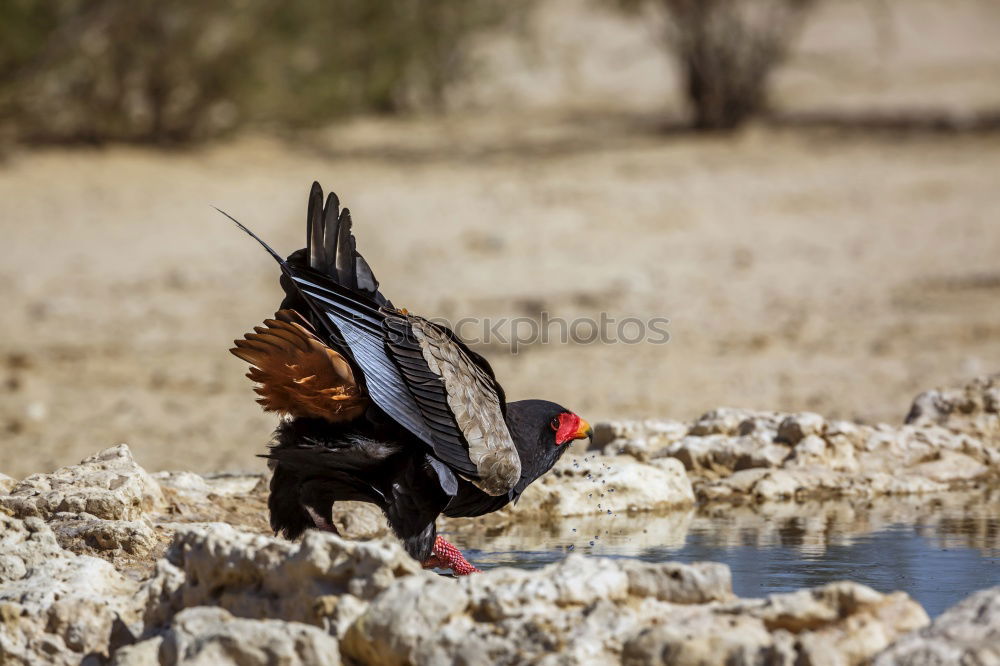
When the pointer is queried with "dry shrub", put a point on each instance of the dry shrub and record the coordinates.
(725, 51)
(168, 72)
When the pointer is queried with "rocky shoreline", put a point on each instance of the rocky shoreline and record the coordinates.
(950, 439)
(103, 562)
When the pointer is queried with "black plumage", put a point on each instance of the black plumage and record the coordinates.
(383, 406)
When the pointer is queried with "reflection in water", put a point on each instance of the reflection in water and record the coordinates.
(937, 548)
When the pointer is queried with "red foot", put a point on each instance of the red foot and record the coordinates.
(321, 522)
(446, 556)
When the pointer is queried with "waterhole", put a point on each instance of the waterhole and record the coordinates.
(936, 548)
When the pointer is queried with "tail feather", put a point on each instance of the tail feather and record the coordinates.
(277, 257)
(344, 248)
(364, 278)
(331, 264)
(331, 233)
(315, 228)
(331, 248)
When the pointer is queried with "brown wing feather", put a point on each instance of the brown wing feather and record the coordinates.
(297, 374)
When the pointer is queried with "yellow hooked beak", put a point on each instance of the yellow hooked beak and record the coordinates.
(583, 430)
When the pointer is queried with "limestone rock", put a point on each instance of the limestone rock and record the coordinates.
(796, 427)
(322, 580)
(639, 439)
(6, 483)
(736, 422)
(951, 439)
(967, 634)
(836, 624)
(507, 616)
(87, 534)
(108, 485)
(238, 499)
(193, 486)
(701, 639)
(143, 653)
(228, 596)
(205, 636)
(720, 455)
(973, 409)
(360, 520)
(599, 484)
(590, 610)
(696, 583)
(56, 608)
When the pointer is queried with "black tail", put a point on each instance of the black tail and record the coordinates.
(277, 257)
(331, 248)
(331, 261)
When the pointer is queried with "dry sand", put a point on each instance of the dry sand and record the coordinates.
(831, 272)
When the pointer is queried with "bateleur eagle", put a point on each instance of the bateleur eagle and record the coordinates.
(383, 406)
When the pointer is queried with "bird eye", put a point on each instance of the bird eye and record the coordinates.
(554, 423)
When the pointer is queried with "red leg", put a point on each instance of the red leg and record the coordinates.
(321, 522)
(446, 556)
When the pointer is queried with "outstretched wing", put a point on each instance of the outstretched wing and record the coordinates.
(297, 374)
(417, 372)
(425, 378)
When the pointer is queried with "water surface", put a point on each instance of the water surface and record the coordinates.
(938, 549)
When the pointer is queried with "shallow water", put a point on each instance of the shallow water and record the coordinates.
(938, 549)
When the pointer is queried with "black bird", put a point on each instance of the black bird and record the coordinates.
(382, 406)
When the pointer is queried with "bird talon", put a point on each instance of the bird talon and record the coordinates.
(434, 562)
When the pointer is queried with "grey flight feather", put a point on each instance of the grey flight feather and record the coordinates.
(315, 230)
(476, 407)
(330, 213)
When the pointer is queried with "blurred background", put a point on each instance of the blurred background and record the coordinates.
(808, 190)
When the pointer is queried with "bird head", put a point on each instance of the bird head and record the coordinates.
(546, 425)
(567, 427)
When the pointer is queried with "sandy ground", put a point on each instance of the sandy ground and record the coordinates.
(840, 273)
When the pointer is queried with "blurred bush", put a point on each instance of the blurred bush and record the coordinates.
(725, 51)
(168, 72)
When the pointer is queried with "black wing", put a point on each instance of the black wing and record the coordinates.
(455, 407)
(419, 373)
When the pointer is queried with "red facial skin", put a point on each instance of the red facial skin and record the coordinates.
(570, 427)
